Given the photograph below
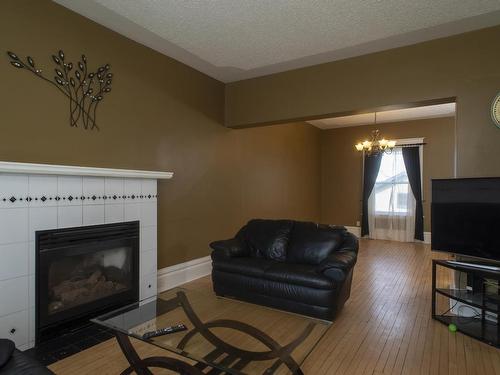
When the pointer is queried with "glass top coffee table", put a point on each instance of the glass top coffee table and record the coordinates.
(223, 336)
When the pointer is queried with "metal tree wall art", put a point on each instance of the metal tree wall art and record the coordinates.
(84, 89)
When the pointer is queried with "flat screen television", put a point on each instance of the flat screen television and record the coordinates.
(465, 217)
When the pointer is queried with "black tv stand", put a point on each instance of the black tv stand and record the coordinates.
(483, 301)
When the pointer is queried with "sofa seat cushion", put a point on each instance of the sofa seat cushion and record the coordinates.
(298, 274)
(268, 238)
(242, 286)
(255, 267)
(311, 243)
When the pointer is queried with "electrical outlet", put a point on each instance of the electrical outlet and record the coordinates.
(358, 223)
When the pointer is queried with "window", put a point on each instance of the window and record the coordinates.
(392, 186)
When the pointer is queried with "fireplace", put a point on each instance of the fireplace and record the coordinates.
(82, 272)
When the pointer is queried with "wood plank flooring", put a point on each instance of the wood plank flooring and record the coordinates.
(385, 327)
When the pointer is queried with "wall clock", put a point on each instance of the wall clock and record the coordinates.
(495, 110)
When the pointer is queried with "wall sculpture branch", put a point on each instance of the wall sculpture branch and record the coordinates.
(84, 89)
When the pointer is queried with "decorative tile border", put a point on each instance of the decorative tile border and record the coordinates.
(70, 198)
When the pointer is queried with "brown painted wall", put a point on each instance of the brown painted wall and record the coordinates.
(161, 115)
(463, 66)
(342, 164)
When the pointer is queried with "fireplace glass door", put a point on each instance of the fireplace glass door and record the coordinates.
(77, 279)
(84, 271)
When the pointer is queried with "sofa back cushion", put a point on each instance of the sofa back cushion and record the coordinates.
(268, 238)
(311, 243)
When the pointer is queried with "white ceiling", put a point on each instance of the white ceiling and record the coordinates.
(237, 39)
(407, 114)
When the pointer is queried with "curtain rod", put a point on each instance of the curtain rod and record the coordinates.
(411, 144)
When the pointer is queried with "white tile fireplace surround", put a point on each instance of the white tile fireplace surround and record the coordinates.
(37, 197)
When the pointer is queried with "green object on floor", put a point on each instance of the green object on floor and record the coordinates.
(452, 328)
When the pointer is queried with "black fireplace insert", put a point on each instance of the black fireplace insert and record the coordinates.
(82, 272)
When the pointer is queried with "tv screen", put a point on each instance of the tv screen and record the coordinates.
(466, 217)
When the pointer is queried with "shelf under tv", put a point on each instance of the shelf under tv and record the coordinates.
(468, 267)
(473, 327)
(478, 300)
(485, 325)
(475, 265)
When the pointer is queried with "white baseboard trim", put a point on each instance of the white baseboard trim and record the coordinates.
(170, 277)
(427, 237)
(357, 232)
(354, 230)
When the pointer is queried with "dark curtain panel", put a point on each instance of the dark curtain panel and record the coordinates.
(370, 173)
(411, 156)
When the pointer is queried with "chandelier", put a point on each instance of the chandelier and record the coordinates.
(376, 145)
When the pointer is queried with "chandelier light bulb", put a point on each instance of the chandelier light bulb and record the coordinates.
(375, 145)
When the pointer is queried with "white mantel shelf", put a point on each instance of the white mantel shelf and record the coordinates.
(52, 169)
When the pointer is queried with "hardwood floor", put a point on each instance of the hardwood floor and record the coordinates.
(385, 327)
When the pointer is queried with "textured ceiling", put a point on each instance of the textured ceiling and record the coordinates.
(235, 39)
(406, 114)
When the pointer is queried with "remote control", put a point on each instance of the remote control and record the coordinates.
(164, 331)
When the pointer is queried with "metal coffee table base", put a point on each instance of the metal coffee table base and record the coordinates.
(141, 366)
(233, 357)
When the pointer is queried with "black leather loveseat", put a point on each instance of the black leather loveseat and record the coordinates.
(296, 266)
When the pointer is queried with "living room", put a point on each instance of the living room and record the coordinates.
(184, 122)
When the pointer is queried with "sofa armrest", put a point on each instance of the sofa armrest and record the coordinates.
(350, 243)
(342, 259)
(338, 264)
(225, 249)
(7, 347)
(19, 363)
